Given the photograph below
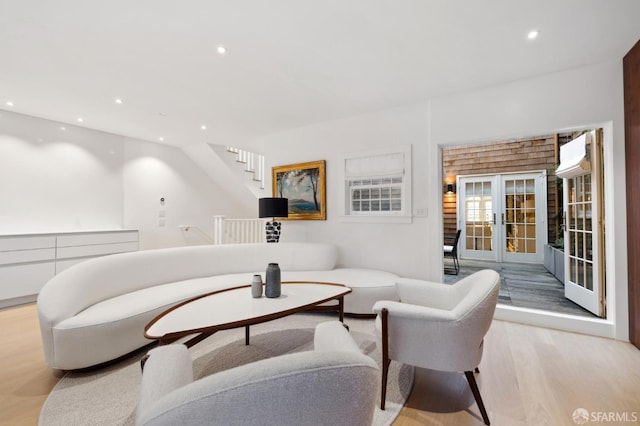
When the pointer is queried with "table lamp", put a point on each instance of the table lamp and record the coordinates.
(273, 207)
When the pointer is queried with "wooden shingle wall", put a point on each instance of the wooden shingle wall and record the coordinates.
(513, 156)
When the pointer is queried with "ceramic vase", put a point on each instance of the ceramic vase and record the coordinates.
(272, 288)
(256, 286)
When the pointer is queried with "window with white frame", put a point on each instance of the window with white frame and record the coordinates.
(377, 183)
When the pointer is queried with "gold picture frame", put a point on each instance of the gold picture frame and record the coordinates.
(304, 185)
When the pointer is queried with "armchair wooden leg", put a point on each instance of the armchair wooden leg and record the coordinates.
(385, 356)
(383, 390)
(476, 394)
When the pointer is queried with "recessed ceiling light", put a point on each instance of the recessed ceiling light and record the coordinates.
(118, 101)
(63, 128)
(533, 34)
(203, 127)
(79, 119)
(9, 103)
(222, 50)
(161, 139)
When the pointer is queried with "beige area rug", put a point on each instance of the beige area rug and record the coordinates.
(109, 395)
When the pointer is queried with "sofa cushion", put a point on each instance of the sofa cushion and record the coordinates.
(367, 286)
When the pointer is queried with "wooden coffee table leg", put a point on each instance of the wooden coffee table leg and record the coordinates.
(246, 335)
(341, 308)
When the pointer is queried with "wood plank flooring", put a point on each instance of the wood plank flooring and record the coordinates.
(528, 376)
(25, 380)
(524, 285)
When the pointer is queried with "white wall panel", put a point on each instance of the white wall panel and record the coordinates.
(53, 180)
(153, 171)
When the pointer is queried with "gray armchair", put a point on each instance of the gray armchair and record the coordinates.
(438, 326)
(333, 384)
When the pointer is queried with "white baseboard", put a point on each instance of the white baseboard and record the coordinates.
(592, 326)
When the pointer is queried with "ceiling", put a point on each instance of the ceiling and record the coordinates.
(289, 63)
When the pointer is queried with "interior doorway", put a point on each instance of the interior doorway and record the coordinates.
(508, 204)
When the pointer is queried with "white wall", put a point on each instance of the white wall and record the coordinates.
(54, 180)
(153, 171)
(401, 248)
(575, 98)
(81, 179)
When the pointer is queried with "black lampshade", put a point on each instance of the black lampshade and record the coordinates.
(273, 207)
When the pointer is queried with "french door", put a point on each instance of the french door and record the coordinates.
(584, 234)
(503, 217)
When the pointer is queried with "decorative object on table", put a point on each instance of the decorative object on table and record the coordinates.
(272, 288)
(256, 286)
(273, 207)
(304, 185)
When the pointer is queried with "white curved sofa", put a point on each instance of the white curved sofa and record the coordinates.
(96, 311)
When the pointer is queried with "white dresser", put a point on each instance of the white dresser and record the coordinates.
(28, 261)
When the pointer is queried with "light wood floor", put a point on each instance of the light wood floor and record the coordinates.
(528, 376)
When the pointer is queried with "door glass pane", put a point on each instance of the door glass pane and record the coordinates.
(530, 186)
(579, 244)
(580, 272)
(531, 246)
(589, 273)
(530, 216)
(520, 210)
(478, 205)
(470, 245)
(579, 232)
(509, 187)
(580, 217)
(531, 231)
(487, 244)
(511, 247)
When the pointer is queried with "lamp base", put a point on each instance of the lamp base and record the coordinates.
(273, 231)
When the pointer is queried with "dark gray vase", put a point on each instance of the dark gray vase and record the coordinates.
(272, 287)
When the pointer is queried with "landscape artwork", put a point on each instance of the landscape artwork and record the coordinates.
(304, 185)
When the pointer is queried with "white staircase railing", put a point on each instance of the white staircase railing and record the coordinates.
(193, 235)
(238, 231)
(253, 163)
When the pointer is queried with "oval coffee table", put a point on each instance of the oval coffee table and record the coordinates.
(234, 307)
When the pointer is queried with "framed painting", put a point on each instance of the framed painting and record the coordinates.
(304, 185)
